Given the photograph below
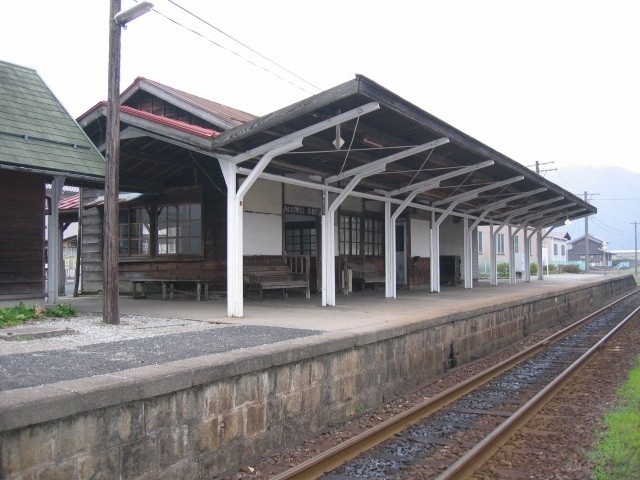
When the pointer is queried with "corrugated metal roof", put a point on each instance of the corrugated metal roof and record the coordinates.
(69, 203)
(37, 132)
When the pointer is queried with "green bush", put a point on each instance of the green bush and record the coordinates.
(533, 268)
(22, 313)
(569, 268)
(553, 268)
(503, 270)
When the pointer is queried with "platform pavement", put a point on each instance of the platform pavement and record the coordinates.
(353, 312)
(357, 311)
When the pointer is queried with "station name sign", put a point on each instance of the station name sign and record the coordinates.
(300, 210)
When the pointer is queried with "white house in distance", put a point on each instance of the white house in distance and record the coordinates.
(554, 248)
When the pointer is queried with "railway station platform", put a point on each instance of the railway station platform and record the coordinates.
(203, 400)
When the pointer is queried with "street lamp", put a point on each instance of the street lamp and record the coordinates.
(117, 20)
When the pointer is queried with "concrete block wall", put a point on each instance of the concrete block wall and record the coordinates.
(199, 417)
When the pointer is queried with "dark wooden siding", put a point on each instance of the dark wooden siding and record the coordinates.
(91, 261)
(22, 203)
(211, 266)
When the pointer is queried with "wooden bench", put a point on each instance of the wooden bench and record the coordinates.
(367, 273)
(274, 276)
(202, 287)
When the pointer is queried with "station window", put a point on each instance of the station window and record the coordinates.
(301, 238)
(516, 244)
(479, 242)
(361, 235)
(500, 243)
(133, 232)
(179, 229)
(555, 249)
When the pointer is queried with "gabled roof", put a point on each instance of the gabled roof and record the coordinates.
(591, 239)
(220, 115)
(38, 134)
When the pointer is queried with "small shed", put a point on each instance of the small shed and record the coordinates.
(40, 144)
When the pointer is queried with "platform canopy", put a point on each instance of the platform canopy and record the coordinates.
(395, 126)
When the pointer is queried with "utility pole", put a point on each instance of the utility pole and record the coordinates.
(635, 226)
(586, 239)
(537, 165)
(117, 20)
(110, 289)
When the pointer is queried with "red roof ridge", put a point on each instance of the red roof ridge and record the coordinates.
(177, 124)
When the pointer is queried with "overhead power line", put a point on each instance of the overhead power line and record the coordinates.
(243, 44)
(242, 57)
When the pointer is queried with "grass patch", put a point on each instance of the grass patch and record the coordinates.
(617, 455)
(22, 313)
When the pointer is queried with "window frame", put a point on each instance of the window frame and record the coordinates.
(500, 243)
(178, 237)
(154, 239)
(139, 253)
(360, 234)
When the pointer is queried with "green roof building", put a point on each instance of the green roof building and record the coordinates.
(40, 144)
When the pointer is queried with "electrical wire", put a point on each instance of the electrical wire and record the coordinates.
(353, 136)
(244, 45)
(172, 20)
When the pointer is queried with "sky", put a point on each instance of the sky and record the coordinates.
(550, 81)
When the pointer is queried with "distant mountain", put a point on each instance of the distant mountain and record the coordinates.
(614, 191)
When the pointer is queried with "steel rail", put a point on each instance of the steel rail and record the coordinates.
(338, 455)
(466, 465)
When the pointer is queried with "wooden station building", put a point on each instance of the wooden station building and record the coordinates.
(40, 144)
(353, 179)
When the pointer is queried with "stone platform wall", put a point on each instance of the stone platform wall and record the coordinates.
(193, 418)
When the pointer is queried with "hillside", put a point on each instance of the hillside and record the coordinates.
(616, 194)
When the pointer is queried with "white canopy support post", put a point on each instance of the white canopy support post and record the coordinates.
(53, 242)
(235, 235)
(493, 257)
(539, 251)
(329, 260)
(390, 256)
(435, 254)
(512, 257)
(389, 253)
(325, 240)
(468, 254)
(527, 254)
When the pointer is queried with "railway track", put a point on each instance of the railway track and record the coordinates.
(451, 434)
